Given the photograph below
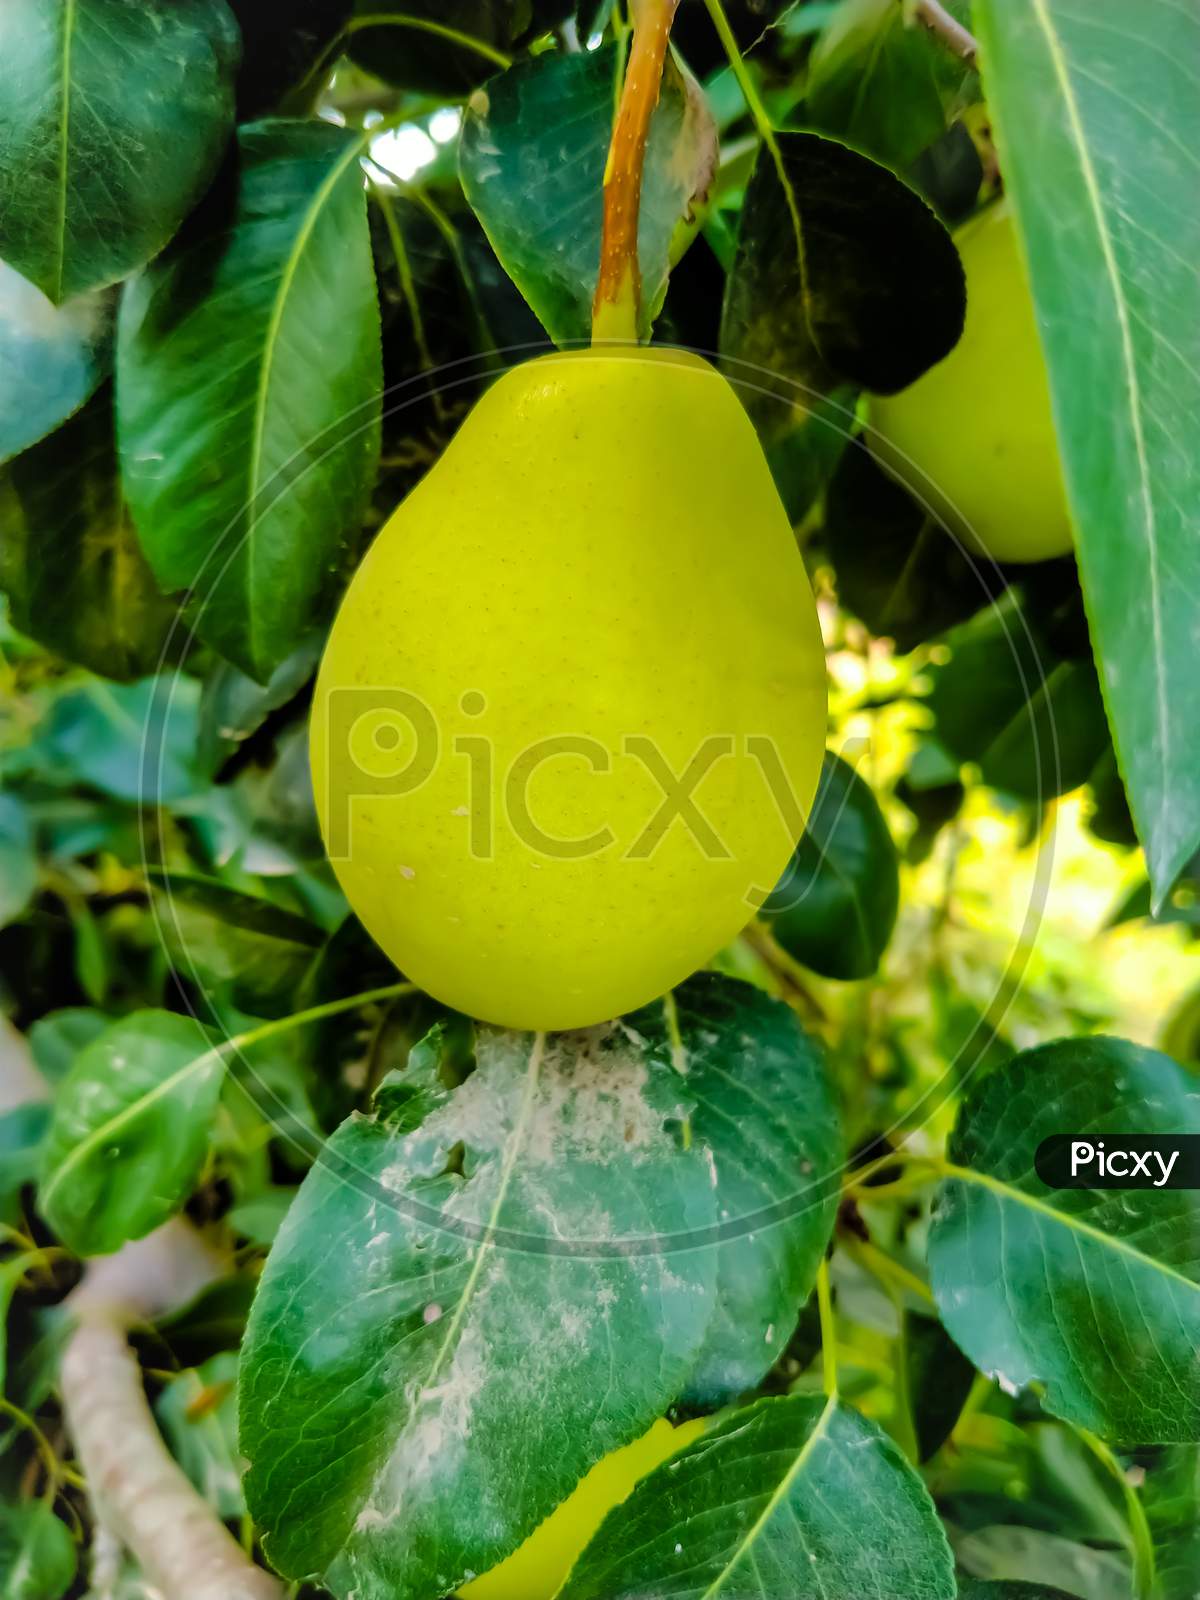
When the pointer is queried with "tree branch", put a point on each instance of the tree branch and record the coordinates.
(930, 14)
(139, 1494)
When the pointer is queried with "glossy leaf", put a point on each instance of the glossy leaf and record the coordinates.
(1110, 817)
(1020, 1558)
(1171, 1495)
(1097, 111)
(218, 344)
(835, 906)
(112, 120)
(37, 1553)
(452, 318)
(895, 567)
(282, 49)
(197, 1412)
(488, 1302)
(1031, 719)
(765, 1108)
(131, 1128)
(1182, 904)
(882, 82)
(57, 1039)
(214, 1321)
(1094, 1294)
(842, 274)
(70, 560)
(51, 358)
(133, 741)
(441, 47)
(233, 706)
(12, 1272)
(18, 860)
(247, 948)
(535, 179)
(939, 1379)
(981, 1589)
(22, 1133)
(769, 1505)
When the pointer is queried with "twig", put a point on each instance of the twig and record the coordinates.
(930, 14)
(787, 972)
(139, 1495)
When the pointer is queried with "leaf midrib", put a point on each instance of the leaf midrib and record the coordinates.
(229, 1047)
(1113, 1241)
(270, 346)
(64, 127)
(508, 1166)
(128, 1113)
(777, 1496)
(1095, 198)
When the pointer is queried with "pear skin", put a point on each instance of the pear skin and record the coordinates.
(571, 714)
(974, 436)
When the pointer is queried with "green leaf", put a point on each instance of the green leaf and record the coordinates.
(1110, 817)
(1091, 1293)
(133, 741)
(1182, 904)
(22, 1134)
(281, 49)
(58, 1038)
(1031, 719)
(251, 949)
(233, 706)
(51, 358)
(882, 82)
(939, 1379)
(1171, 1496)
(835, 906)
(212, 1322)
(842, 274)
(198, 1414)
(441, 47)
(112, 121)
(979, 1589)
(535, 178)
(895, 567)
(218, 345)
(18, 859)
(37, 1553)
(770, 1503)
(70, 561)
(488, 1303)
(132, 1123)
(447, 308)
(1097, 112)
(765, 1109)
(12, 1271)
(1021, 1557)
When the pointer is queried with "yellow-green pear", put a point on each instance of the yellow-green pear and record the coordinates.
(571, 714)
(974, 436)
(539, 1568)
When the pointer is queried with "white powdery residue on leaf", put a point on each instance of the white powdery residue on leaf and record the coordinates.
(430, 1447)
(592, 1102)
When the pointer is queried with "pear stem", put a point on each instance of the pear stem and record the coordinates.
(619, 285)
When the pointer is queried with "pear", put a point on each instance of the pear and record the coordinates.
(974, 436)
(538, 1569)
(571, 714)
